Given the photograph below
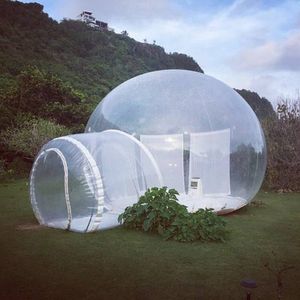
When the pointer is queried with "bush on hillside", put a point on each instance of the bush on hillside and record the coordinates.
(28, 138)
(46, 96)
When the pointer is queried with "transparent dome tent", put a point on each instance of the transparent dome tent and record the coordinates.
(83, 182)
(174, 128)
(206, 140)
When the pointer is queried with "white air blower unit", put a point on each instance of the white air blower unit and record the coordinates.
(196, 189)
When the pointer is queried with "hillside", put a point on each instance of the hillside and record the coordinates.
(262, 107)
(92, 61)
(52, 75)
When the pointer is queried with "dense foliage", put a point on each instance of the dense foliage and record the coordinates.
(158, 211)
(36, 108)
(283, 141)
(44, 95)
(28, 138)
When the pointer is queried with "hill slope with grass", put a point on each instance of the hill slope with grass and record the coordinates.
(92, 61)
(89, 60)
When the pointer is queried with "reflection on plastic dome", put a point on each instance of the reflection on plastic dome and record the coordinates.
(204, 137)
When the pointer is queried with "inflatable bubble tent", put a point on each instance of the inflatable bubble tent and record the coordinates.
(174, 128)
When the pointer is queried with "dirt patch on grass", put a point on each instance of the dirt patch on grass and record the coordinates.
(29, 227)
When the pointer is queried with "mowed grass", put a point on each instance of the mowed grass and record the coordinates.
(43, 263)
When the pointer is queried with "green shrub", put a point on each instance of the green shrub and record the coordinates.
(43, 95)
(158, 211)
(283, 144)
(29, 137)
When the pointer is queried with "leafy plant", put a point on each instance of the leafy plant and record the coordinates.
(27, 138)
(158, 211)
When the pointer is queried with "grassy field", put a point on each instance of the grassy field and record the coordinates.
(42, 263)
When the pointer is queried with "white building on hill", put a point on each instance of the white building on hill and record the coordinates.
(88, 18)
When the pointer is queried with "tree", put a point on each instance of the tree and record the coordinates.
(28, 138)
(283, 144)
(45, 95)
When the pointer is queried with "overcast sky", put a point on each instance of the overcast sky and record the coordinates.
(251, 44)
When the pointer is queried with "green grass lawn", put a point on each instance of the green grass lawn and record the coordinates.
(43, 263)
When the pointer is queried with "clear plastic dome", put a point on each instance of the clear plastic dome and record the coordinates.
(204, 137)
(83, 182)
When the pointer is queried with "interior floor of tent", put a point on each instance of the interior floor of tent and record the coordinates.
(221, 204)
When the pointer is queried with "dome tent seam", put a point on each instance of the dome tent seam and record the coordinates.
(32, 189)
(66, 186)
(98, 181)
